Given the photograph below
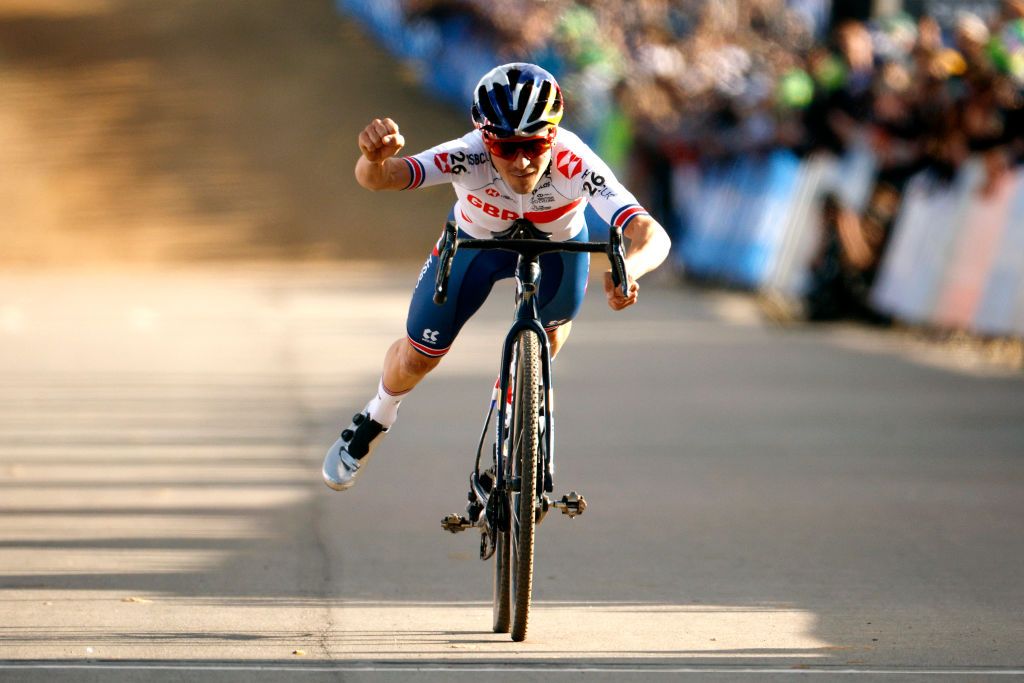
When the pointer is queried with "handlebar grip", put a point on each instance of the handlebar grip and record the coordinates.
(618, 261)
(446, 254)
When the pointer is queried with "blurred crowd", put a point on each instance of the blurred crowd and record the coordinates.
(720, 77)
(664, 82)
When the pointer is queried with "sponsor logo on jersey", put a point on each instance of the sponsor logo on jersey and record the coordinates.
(568, 164)
(492, 210)
(554, 214)
(450, 162)
(491, 192)
(477, 159)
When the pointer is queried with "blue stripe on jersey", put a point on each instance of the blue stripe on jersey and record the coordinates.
(615, 216)
(416, 173)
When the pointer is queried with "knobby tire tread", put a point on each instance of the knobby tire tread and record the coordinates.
(502, 580)
(526, 434)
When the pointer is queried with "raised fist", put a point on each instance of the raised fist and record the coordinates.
(380, 140)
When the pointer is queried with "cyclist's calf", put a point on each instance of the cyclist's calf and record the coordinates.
(404, 366)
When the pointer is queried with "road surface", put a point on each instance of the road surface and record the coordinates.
(762, 500)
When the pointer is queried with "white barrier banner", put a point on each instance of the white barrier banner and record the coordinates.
(1001, 309)
(973, 254)
(920, 251)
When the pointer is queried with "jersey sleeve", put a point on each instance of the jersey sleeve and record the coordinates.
(597, 183)
(444, 163)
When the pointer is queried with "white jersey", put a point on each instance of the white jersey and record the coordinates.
(486, 205)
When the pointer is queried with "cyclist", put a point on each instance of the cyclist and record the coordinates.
(516, 163)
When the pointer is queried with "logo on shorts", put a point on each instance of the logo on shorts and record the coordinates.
(423, 271)
(430, 335)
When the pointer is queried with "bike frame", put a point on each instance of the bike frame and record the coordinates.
(524, 239)
(527, 317)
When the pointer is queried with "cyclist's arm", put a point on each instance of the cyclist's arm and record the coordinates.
(377, 167)
(648, 245)
(648, 242)
(390, 174)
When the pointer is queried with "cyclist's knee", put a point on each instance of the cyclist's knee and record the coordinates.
(557, 337)
(414, 363)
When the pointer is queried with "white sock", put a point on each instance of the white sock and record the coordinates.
(384, 406)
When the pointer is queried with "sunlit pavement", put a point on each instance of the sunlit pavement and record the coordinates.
(762, 501)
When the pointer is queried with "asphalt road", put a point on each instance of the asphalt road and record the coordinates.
(765, 503)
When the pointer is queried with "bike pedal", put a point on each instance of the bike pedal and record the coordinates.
(571, 504)
(454, 523)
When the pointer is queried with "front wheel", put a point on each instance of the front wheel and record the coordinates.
(524, 451)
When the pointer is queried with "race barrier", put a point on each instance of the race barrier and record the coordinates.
(750, 221)
(955, 259)
(734, 217)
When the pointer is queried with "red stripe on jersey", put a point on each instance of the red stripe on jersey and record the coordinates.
(627, 214)
(465, 217)
(417, 173)
(552, 214)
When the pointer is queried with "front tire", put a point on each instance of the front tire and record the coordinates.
(525, 458)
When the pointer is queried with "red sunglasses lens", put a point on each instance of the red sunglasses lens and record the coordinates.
(508, 149)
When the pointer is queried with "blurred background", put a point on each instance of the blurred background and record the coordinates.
(855, 159)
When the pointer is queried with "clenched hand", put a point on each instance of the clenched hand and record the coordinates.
(380, 140)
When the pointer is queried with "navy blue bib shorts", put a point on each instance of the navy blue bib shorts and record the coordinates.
(432, 328)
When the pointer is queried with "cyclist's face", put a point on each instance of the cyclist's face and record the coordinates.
(522, 171)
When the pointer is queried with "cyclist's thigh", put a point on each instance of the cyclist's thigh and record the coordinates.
(432, 328)
(563, 284)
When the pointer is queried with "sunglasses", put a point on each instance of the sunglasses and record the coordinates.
(509, 148)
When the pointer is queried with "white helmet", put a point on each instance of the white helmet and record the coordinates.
(516, 99)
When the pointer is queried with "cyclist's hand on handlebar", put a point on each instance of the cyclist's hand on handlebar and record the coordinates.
(615, 299)
(380, 140)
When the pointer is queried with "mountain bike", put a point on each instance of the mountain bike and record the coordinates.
(510, 498)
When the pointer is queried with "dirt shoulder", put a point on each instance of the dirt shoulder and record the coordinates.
(146, 131)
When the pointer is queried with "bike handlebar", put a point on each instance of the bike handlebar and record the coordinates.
(450, 243)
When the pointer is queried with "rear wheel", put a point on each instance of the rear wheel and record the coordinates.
(502, 579)
(524, 458)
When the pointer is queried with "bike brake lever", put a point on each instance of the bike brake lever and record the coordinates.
(446, 254)
(618, 261)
